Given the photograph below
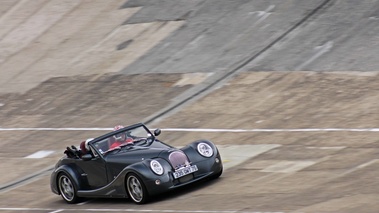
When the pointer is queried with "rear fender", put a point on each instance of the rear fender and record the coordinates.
(70, 172)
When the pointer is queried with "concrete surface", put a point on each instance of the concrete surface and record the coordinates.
(220, 64)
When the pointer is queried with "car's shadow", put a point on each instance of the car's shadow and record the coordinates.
(202, 185)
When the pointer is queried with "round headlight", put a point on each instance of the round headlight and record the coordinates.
(205, 150)
(156, 167)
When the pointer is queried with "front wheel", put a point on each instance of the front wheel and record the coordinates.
(67, 189)
(136, 189)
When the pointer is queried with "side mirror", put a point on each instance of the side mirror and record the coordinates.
(87, 157)
(157, 132)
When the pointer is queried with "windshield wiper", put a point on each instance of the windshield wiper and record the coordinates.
(143, 141)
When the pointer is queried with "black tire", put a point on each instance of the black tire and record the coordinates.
(136, 189)
(67, 188)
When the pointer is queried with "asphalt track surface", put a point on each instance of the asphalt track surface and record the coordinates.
(287, 89)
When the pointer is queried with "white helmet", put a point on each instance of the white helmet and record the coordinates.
(86, 143)
(117, 127)
(120, 135)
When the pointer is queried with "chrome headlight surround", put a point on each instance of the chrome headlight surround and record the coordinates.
(156, 167)
(205, 150)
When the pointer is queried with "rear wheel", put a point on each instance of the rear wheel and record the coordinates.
(67, 188)
(136, 189)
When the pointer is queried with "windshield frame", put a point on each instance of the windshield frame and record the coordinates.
(101, 144)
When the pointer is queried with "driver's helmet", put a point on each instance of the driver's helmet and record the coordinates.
(119, 136)
(86, 143)
(117, 127)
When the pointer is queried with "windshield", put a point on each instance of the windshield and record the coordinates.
(137, 136)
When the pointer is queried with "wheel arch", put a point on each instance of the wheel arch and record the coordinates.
(71, 173)
(143, 171)
(140, 171)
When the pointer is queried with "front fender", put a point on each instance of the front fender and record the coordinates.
(206, 165)
(142, 169)
(193, 154)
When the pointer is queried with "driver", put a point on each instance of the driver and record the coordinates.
(120, 138)
(84, 147)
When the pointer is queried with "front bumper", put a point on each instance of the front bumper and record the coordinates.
(206, 169)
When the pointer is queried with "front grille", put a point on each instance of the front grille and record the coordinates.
(178, 160)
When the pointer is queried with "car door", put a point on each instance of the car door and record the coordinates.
(94, 171)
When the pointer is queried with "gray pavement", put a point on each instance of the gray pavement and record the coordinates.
(342, 37)
(198, 64)
(218, 35)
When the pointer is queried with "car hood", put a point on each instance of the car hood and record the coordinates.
(130, 155)
(116, 162)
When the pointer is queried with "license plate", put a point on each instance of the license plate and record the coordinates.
(185, 171)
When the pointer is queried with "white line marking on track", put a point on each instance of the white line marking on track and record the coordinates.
(55, 129)
(131, 210)
(40, 154)
(56, 211)
(274, 130)
(207, 130)
(82, 203)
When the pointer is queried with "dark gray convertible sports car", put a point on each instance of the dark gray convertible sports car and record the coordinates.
(132, 162)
